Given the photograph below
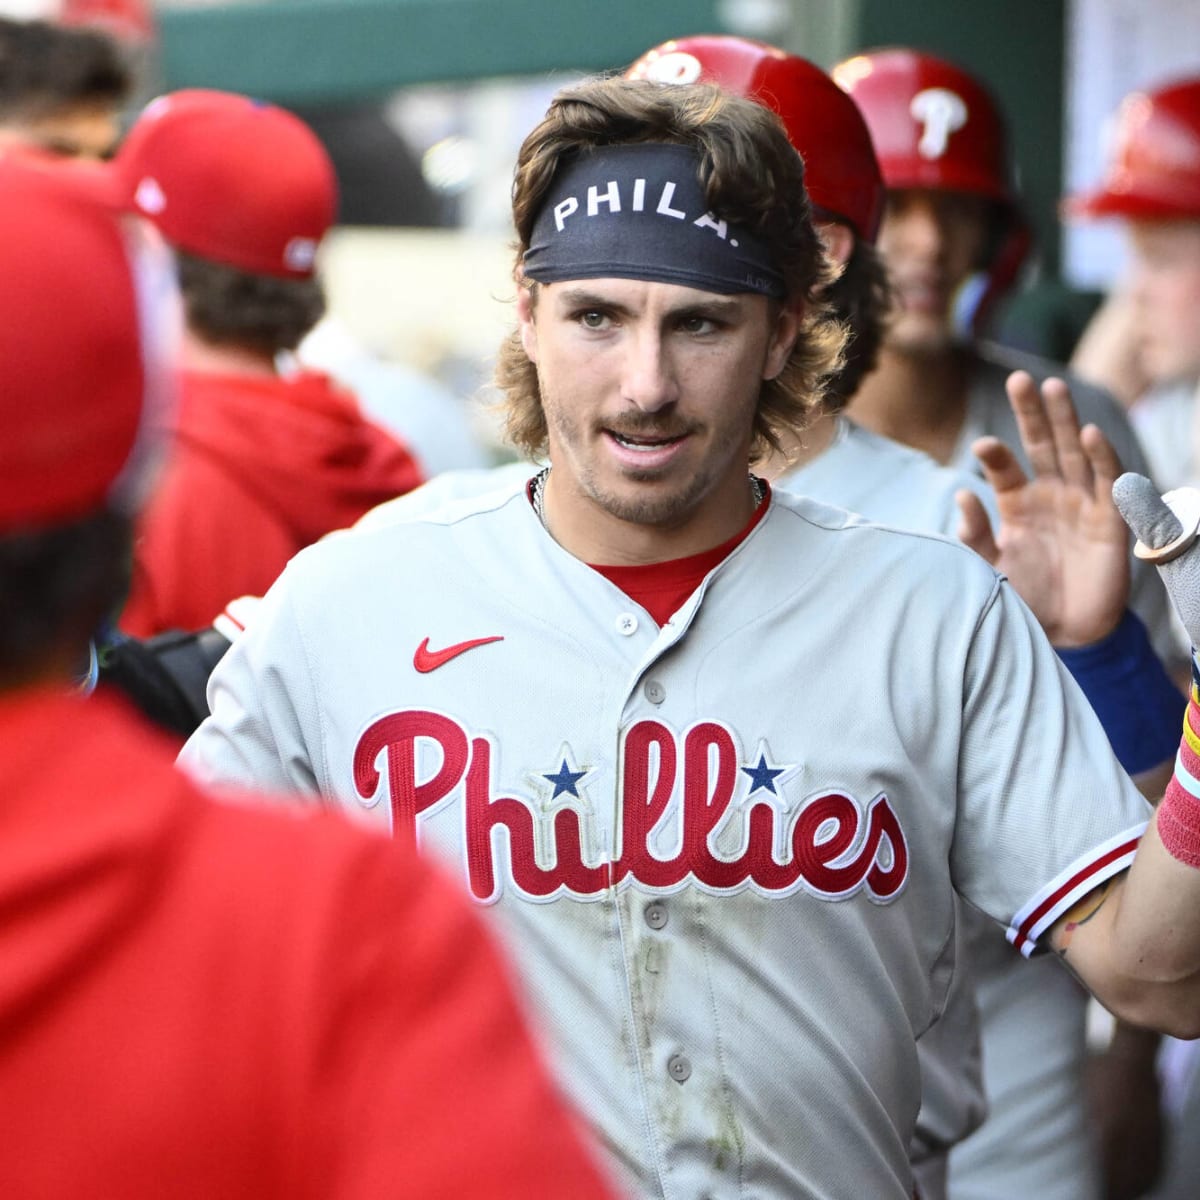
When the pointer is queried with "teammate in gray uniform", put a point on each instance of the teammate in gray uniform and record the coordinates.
(1145, 345)
(717, 758)
(953, 236)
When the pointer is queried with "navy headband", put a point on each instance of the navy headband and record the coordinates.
(639, 212)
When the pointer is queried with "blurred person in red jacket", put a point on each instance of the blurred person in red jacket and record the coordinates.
(199, 999)
(264, 462)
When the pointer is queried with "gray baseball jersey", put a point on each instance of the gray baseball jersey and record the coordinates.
(886, 482)
(891, 483)
(723, 853)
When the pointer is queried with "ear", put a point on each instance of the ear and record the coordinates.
(838, 240)
(784, 333)
(525, 320)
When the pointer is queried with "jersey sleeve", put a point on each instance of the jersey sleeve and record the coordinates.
(262, 733)
(427, 1077)
(1045, 812)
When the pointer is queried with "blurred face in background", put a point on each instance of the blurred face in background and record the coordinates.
(74, 131)
(931, 242)
(1165, 290)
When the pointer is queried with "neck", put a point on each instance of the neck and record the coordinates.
(917, 399)
(210, 358)
(60, 669)
(595, 535)
(796, 449)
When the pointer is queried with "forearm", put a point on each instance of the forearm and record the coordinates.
(1155, 941)
(1138, 947)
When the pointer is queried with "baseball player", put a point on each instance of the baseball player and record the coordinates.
(835, 460)
(265, 461)
(953, 238)
(716, 758)
(190, 1005)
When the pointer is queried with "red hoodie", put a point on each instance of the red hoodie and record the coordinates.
(261, 467)
(208, 1001)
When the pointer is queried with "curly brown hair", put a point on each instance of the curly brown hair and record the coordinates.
(226, 306)
(861, 297)
(752, 177)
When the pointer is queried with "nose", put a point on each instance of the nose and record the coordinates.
(918, 221)
(649, 380)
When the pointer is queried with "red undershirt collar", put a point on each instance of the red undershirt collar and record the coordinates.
(662, 587)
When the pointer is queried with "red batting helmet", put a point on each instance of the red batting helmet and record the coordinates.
(932, 124)
(1154, 168)
(841, 174)
(936, 127)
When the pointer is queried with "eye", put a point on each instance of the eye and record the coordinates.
(698, 323)
(592, 318)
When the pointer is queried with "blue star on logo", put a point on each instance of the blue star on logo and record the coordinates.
(762, 777)
(565, 781)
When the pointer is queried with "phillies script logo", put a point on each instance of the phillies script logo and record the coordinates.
(833, 848)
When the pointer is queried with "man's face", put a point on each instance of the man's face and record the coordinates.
(1165, 289)
(931, 242)
(650, 391)
(79, 131)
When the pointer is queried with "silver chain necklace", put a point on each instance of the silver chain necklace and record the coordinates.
(537, 488)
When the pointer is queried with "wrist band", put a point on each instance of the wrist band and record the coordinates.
(1178, 816)
(1132, 694)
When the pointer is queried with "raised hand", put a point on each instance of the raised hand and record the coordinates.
(1061, 542)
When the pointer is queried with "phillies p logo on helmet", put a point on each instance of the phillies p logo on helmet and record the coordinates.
(676, 67)
(939, 112)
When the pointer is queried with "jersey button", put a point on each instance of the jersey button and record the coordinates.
(627, 624)
(679, 1068)
(655, 692)
(656, 915)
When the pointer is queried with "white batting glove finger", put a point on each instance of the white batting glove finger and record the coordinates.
(1152, 522)
(1166, 528)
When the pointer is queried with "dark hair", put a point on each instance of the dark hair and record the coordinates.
(752, 177)
(227, 306)
(45, 68)
(57, 586)
(862, 297)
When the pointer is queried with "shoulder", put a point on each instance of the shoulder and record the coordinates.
(412, 550)
(885, 480)
(1093, 403)
(455, 489)
(908, 463)
(872, 543)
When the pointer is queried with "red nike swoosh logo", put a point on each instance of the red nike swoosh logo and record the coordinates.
(426, 660)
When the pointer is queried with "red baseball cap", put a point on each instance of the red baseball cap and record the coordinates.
(87, 314)
(231, 179)
(1153, 170)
